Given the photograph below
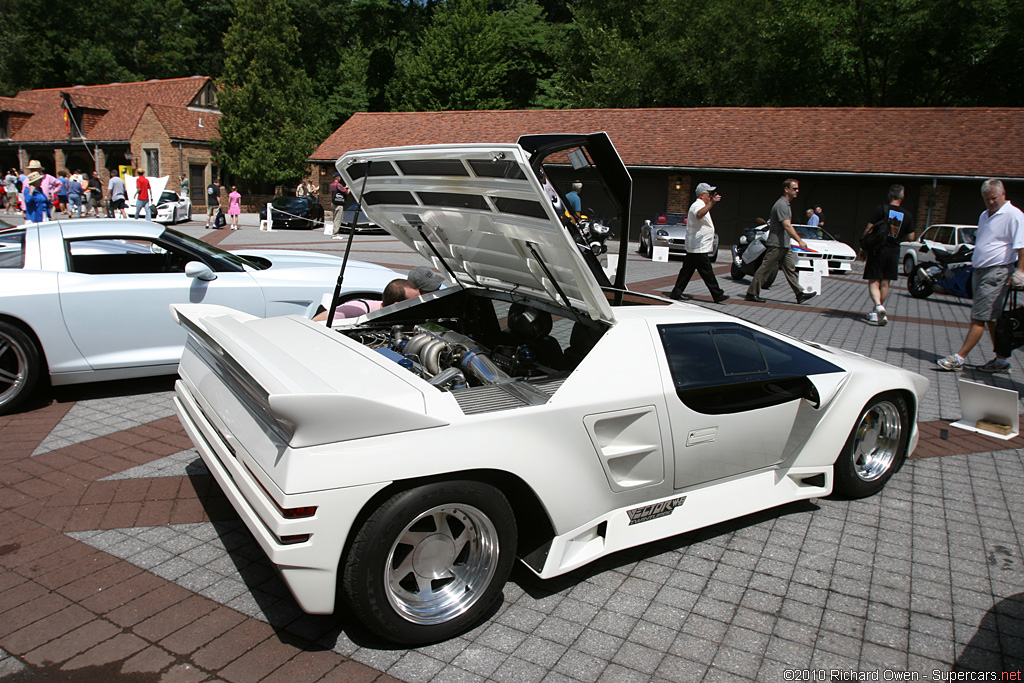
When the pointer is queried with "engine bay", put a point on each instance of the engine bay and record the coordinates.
(459, 340)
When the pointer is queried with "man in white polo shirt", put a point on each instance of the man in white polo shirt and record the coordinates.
(999, 245)
(700, 242)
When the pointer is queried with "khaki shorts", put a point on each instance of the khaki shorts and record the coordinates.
(212, 209)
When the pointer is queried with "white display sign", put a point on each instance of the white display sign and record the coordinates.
(821, 266)
(810, 281)
(659, 254)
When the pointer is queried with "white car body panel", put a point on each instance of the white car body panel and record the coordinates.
(839, 255)
(289, 413)
(93, 327)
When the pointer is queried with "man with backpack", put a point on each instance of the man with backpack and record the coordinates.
(888, 225)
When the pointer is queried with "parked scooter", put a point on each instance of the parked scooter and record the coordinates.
(749, 253)
(948, 274)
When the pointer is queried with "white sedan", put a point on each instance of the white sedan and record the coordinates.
(950, 237)
(88, 300)
(530, 410)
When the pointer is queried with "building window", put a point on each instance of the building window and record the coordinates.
(5, 127)
(152, 162)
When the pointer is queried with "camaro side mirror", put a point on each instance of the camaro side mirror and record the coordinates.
(199, 270)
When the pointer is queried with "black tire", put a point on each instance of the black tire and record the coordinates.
(919, 284)
(20, 362)
(463, 532)
(735, 272)
(876, 448)
(908, 264)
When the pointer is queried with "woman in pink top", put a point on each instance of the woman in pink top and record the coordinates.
(234, 206)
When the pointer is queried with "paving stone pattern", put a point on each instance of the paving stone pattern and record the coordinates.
(122, 557)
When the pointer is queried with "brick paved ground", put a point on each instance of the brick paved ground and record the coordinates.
(121, 559)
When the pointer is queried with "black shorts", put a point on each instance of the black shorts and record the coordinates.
(883, 266)
(116, 204)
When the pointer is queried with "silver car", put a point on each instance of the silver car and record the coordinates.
(667, 230)
(88, 300)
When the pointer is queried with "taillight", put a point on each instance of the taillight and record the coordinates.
(303, 512)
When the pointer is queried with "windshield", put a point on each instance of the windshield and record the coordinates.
(168, 197)
(813, 232)
(671, 219)
(290, 203)
(218, 259)
(967, 235)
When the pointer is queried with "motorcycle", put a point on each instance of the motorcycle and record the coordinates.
(948, 274)
(594, 234)
(749, 253)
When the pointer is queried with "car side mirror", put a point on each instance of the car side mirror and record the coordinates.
(199, 271)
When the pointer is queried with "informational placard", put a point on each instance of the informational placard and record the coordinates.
(985, 409)
(810, 281)
(821, 266)
(659, 254)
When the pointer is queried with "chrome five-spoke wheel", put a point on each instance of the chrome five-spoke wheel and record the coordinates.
(429, 561)
(876, 447)
(440, 563)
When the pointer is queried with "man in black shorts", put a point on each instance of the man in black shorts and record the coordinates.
(883, 265)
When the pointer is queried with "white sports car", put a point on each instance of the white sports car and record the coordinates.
(171, 208)
(949, 237)
(87, 300)
(532, 410)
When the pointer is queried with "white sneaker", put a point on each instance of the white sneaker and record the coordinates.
(951, 363)
(872, 317)
(880, 314)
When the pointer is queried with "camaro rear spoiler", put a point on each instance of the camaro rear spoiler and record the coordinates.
(283, 367)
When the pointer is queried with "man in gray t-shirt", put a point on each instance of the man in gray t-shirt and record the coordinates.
(778, 253)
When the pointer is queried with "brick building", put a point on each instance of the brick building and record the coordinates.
(845, 158)
(164, 127)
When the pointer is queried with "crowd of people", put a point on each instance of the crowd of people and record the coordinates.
(75, 194)
(997, 258)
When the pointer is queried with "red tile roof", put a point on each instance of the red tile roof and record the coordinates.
(972, 142)
(122, 102)
(187, 124)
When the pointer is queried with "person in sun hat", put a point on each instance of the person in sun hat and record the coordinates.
(37, 204)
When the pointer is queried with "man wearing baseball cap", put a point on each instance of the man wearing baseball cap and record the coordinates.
(700, 242)
(425, 279)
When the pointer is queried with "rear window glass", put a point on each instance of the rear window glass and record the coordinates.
(12, 248)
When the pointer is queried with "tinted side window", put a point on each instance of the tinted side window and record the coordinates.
(720, 368)
(12, 248)
(123, 257)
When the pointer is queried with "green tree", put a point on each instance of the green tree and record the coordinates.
(270, 121)
(475, 57)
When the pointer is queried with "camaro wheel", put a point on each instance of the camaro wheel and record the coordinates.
(919, 284)
(429, 562)
(876, 448)
(19, 366)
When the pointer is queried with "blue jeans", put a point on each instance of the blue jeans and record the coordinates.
(143, 204)
(75, 200)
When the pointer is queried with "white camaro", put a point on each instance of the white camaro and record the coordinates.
(87, 300)
(532, 410)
